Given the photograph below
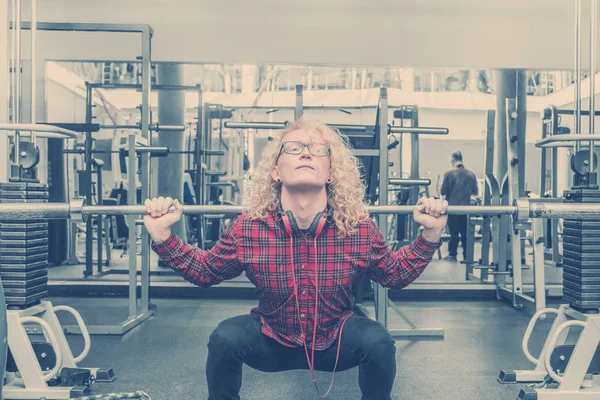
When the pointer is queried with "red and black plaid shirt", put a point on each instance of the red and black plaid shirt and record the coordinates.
(262, 250)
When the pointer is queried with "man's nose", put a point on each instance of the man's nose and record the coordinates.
(305, 153)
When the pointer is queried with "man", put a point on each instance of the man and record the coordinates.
(458, 186)
(304, 239)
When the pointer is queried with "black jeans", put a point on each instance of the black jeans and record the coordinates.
(239, 340)
(457, 224)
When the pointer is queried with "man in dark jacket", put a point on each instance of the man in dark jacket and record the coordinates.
(458, 186)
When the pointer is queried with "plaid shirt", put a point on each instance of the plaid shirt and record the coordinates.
(261, 249)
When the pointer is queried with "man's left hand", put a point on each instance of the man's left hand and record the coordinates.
(431, 214)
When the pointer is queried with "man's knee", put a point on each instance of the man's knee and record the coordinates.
(231, 335)
(380, 343)
(372, 338)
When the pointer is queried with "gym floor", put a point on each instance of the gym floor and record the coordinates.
(165, 355)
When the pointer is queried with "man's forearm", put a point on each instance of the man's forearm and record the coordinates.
(160, 236)
(432, 235)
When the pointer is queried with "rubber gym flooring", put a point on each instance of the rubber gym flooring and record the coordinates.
(165, 355)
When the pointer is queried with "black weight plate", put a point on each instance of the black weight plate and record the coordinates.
(18, 243)
(577, 224)
(585, 249)
(581, 288)
(23, 259)
(573, 255)
(24, 274)
(20, 226)
(23, 251)
(23, 267)
(577, 233)
(25, 301)
(585, 280)
(573, 294)
(25, 284)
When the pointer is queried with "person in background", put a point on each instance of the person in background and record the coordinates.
(457, 188)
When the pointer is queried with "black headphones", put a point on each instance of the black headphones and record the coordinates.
(291, 226)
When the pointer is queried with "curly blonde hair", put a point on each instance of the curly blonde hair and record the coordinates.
(345, 194)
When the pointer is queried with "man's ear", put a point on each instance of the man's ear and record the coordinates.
(275, 172)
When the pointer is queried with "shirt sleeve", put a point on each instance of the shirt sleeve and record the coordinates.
(398, 269)
(203, 268)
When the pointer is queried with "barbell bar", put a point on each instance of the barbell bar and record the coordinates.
(345, 128)
(521, 210)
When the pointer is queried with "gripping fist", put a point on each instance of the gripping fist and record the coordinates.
(431, 214)
(158, 218)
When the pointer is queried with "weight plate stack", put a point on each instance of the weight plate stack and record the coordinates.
(581, 256)
(23, 248)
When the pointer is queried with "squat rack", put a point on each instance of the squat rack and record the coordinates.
(135, 316)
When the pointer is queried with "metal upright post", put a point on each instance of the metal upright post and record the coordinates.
(487, 197)
(89, 234)
(200, 166)
(577, 71)
(100, 219)
(145, 158)
(298, 110)
(593, 33)
(414, 168)
(513, 193)
(381, 292)
(132, 249)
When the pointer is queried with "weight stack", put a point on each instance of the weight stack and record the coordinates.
(23, 248)
(581, 256)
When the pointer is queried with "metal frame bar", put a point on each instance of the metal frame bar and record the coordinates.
(409, 182)
(381, 295)
(87, 27)
(566, 140)
(135, 317)
(513, 194)
(60, 133)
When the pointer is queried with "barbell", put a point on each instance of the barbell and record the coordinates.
(521, 210)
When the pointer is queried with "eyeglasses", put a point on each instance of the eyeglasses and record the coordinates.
(295, 148)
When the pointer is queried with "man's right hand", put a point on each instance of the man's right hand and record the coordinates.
(158, 219)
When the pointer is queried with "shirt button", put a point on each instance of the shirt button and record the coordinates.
(303, 291)
(302, 316)
(302, 266)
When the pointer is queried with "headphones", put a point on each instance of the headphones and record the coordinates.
(291, 226)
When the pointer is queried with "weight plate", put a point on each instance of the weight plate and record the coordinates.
(24, 284)
(572, 255)
(23, 251)
(579, 272)
(18, 243)
(587, 224)
(576, 295)
(22, 266)
(586, 249)
(581, 288)
(23, 259)
(20, 301)
(23, 275)
(577, 233)
(584, 280)
(29, 155)
(20, 226)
